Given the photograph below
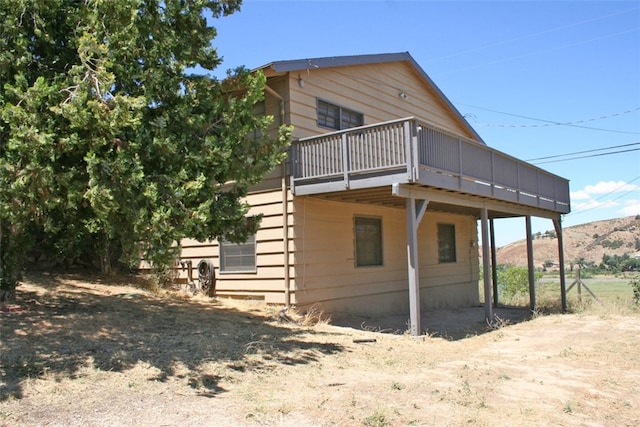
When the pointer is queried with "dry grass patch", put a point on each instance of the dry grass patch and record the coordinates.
(85, 352)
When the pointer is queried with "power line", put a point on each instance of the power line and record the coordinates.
(553, 122)
(526, 55)
(380, 83)
(564, 123)
(633, 190)
(540, 33)
(586, 157)
(583, 152)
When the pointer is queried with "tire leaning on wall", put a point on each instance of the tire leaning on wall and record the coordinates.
(207, 277)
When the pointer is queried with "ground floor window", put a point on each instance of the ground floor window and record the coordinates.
(368, 237)
(238, 257)
(446, 243)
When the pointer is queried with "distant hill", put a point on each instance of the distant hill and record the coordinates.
(589, 241)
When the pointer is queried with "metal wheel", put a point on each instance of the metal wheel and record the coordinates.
(206, 277)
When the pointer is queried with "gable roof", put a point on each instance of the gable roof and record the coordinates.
(343, 61)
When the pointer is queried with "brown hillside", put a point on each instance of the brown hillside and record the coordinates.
(589, 241)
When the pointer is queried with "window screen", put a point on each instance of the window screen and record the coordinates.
(446, 243)
(368, 241)
(336, 117)
(238, 257)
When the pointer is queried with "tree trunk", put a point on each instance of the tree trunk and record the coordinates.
(105, 258)
(12, 250)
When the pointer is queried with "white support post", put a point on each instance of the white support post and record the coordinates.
(415, 211)
(486, 265)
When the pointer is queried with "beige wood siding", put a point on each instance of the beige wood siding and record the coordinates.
(321, 233)
(325, 270)
(268, 281)
(372, 90)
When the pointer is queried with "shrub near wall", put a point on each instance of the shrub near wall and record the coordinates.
(514, 280)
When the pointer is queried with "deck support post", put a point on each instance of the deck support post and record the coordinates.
(530, 265)
(494, 263)
(557, 223)
(415, 209)
(484, 225)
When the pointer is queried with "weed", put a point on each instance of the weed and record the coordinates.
(353, 401)
(635, 285)
(482, 404)
(315, 316)
(397, 386)
(498, 322)
(568, 408)
(285, 408)
(377, 419)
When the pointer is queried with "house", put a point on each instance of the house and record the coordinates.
(376, 209)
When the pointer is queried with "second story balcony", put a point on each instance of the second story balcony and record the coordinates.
(409, 151)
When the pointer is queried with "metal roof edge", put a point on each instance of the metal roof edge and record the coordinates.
(335, 61)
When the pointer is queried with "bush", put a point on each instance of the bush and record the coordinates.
(635, 285)
(514, 280)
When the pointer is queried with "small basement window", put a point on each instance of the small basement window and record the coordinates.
(446, 243)
(368, 236)
(238, 257)
(335, 117)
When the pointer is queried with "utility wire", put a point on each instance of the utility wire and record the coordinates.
(583, 152)
(540, 33)
(633, 190)
(586, 157)
(560, 123)
(550, 121)
(380, 83)
(551, 49)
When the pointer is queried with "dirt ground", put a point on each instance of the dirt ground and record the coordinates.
(84, 352)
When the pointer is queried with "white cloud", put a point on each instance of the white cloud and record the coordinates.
(589, 192)
(607, 187)
(631, 207)
(580, 195)
(590, 196)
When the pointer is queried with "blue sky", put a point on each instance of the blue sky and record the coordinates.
(534, 78)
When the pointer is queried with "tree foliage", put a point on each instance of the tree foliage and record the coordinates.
(108, 146)
(514, 280)
(619, 263)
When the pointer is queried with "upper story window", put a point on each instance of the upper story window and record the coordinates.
(336, 117)
(446, 243)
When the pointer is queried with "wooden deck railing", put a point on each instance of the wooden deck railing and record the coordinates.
(416, 152)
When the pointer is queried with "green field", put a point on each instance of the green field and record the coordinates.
(605, 288)
(609, 290)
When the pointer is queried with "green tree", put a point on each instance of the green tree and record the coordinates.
(108, 145)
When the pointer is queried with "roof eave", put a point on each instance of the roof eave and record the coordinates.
(282, 67)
